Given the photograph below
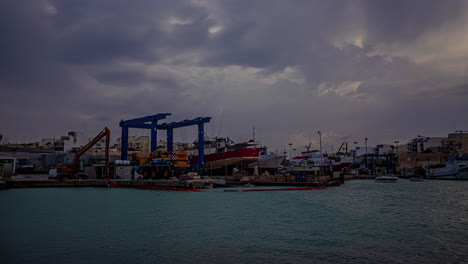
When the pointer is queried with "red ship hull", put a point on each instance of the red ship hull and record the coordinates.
(228, 158)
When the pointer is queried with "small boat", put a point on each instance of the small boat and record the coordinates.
(299, 166)
(453, 169)
(324, 160)
(249, 185)
(386, 179)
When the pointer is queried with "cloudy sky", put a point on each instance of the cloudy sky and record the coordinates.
(386, 70)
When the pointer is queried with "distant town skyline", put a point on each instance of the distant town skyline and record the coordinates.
(312, 144)
(385, 70)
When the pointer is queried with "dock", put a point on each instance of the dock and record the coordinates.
(44, 183)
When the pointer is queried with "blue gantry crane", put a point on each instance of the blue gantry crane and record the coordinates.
(151, 122)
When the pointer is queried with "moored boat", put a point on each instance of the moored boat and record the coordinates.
(295, 166)
(269, 161)
(453, 169)
(326, 161)
(223, 152)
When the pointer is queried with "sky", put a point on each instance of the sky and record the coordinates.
(385, 70)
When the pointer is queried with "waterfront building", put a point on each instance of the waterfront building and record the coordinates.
(420, 143)
(410, 161)
(135, 144)
(73, 140)
(7, 159)
(360, 151)
(457, 142)
(384, 149)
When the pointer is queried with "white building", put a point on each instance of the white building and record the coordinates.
(5, 158)
(359, 151)
(421, 143)
(65, 143)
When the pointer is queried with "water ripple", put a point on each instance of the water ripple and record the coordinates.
(360, 222)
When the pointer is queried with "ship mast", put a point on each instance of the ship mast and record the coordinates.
(253, 133)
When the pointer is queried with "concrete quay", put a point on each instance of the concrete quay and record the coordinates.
(40, 182)
(103, 183)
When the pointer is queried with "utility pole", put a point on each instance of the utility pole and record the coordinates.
(290, 150)
(366, 151)
(355, 150)
(321, 154)
(396, 154)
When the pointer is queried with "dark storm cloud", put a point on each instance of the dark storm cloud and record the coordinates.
(120, 77)
(402, 20)
(24, 51)
(84, 64)
(103, 31)
(43, 52)
(275, 37)
(228, 49)
(460, 90)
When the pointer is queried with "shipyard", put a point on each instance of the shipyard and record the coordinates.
(246, 131)
(220, 162)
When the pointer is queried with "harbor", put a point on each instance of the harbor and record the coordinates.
(201, 131)
(209, 163)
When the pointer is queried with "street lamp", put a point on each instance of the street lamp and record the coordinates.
(396, 155)
(290, 152)
(321, 154)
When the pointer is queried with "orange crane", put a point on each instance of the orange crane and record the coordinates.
(74, 168)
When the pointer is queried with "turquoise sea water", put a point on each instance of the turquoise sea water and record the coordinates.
(359, 222)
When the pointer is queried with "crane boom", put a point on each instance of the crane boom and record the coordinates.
(342, 144)
(81, 151)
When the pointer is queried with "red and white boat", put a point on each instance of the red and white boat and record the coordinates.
(325, 161)
(269, 161)
(223, 152)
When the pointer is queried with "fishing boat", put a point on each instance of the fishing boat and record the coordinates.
(269, 161)
(454, 169)
(387, 179)
(223, 152)
(295, 166)
(325, 161)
